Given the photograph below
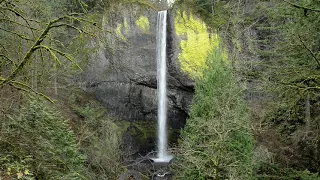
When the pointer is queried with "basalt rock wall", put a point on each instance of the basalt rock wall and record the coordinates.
(122, 74)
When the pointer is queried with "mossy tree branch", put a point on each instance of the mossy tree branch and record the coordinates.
(37, 45)
(55, 58)
(28, 89)
(24, 87)
(68, 25)
(65, 55)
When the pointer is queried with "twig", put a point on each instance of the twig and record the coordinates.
(301, 7)
(8, 59)
(19, 15)
(59, 52)
(51, 52)
(310, 51)
(3, 19)
(20, 35)
(13, 84)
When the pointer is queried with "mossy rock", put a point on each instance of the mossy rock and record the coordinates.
(145, 133)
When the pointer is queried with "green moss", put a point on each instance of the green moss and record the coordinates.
(141, 130)
(145, 133)
(119, 32)
(126, 26)
(122, 29)
(143, 24)
(196, 45)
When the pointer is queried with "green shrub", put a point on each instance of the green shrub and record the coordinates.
(217, 142)
(266, 171)
(99, 137)
(37, 143)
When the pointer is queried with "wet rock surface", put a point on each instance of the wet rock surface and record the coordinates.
(124, 78)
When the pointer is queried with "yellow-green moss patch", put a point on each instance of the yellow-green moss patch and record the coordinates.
(195, 45)
(122, 29)
(143, 24)
(119, 32)
(126, 26)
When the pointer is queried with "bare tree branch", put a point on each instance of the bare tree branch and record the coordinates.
(14, 33)
(301, 7)
(28, 89)
(19, 15)
(3, 55)
(14, 22)
(310, 51)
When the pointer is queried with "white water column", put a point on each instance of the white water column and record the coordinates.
(162, 87)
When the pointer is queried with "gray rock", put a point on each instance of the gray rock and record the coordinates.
(124, 78)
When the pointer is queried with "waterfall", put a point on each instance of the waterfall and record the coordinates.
(162, 87)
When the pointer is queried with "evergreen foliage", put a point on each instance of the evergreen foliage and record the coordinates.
(268, 171)
(38, 143)
(99, 137)
(293, 71)
(274, 45)
(214, 12)
(291, 76)
(217, 142)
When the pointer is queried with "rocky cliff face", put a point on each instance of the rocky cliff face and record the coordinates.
(122, 74)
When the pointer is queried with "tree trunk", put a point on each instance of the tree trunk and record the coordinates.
(308, 116)
(55, 80)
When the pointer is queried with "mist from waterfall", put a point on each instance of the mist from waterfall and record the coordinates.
(162, 87)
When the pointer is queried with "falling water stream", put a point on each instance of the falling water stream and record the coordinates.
(162, 155)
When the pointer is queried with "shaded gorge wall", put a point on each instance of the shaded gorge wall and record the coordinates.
(122, 72)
